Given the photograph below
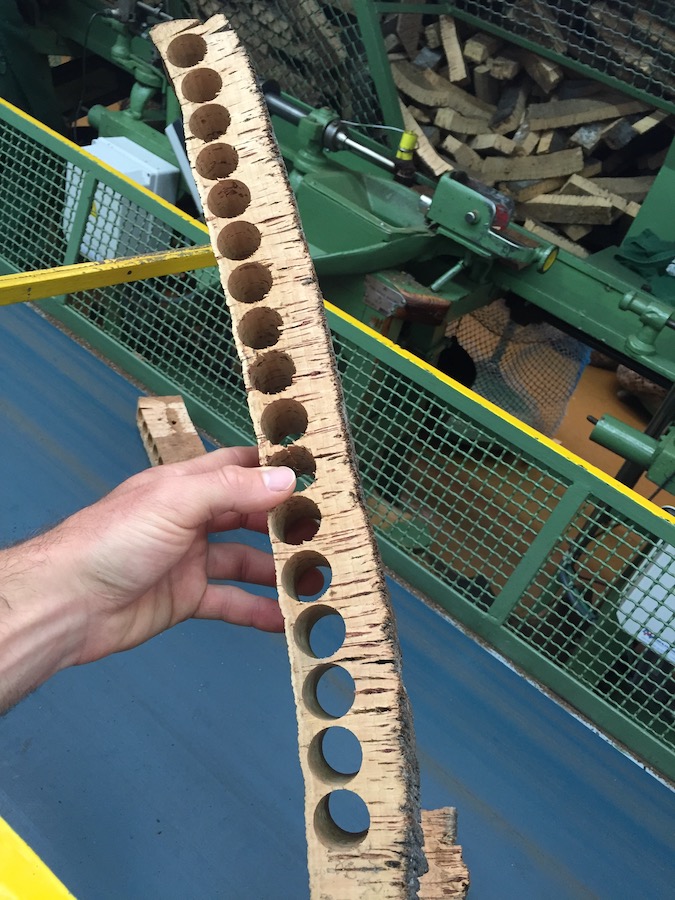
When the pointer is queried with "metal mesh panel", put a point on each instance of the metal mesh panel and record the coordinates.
(316, 50)
(464, 503)
(543, 559)
(116, 226)
(32, 196)
(313, 49)
(603, 608)
(177, 324)
(631, 42)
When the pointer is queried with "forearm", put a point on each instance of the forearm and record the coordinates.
(39, 628)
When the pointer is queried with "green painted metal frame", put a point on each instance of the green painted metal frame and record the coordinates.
(584, 485)
(578, 483)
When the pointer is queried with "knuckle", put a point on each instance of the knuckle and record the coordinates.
(234, 480)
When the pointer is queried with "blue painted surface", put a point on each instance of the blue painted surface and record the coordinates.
(171, 771)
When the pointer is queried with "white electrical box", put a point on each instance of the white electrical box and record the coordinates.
(648, 609)
(117, 227)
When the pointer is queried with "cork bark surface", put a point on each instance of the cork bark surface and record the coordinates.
(166, 430)
(297, 409)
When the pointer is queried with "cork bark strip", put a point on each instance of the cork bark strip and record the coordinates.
(296, 407)
(166, 430)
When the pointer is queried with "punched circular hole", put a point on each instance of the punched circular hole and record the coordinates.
(329, 691)
(216, 161)
(284, 421)
(210, 122)
(327, 635)
(319, 631)
(272, 372)
(341, 819)
(335, 754)
(228, 198)
(300, 576)
(249, 283)
(296, 521)
(259, 328)
(186, 50)
(201, 85)
(238, 240)
(301, 461)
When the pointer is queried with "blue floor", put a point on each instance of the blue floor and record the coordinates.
(171, 771)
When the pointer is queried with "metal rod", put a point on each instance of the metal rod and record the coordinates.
(448, 276)
(38, 285)
(344, 142)
(336, 136)
(283, 108)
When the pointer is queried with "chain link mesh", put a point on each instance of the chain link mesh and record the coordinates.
(629, 41)
(316, 51)
(461, 493)
(313, 50)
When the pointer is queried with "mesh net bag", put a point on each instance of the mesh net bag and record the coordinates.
(527, 370)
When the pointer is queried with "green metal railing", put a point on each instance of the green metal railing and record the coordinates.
(551, 563)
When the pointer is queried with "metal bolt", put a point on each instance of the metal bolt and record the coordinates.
(472, 217)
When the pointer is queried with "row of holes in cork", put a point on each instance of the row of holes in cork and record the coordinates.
(229, 198)
(341, 817)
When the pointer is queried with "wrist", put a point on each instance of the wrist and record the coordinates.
(40, 629)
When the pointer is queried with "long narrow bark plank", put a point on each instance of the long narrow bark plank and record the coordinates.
(630, 188)
(548, 234)
(450, 120)
(570, 209)
(453, 51)
(552, 165)
(578, 185)
(567, 113)
(296, 407)
(431, 89)
(447, 876)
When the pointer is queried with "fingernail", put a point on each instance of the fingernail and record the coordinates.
(278, 478)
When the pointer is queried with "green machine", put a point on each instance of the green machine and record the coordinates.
(404, 252)
(360, 220)
(528, 548)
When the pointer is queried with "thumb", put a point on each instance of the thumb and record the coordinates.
(230, 489)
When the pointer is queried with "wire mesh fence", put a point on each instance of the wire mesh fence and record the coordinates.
(568, 576)
(319, 52)
(314, 50)
(603, 608)
(631, 42)
(32, 197)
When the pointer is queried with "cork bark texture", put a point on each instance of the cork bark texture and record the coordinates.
(166, 430)
(297, 409)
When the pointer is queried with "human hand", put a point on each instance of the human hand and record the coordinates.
(139, 561)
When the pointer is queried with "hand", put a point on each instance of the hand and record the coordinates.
(137, 562)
